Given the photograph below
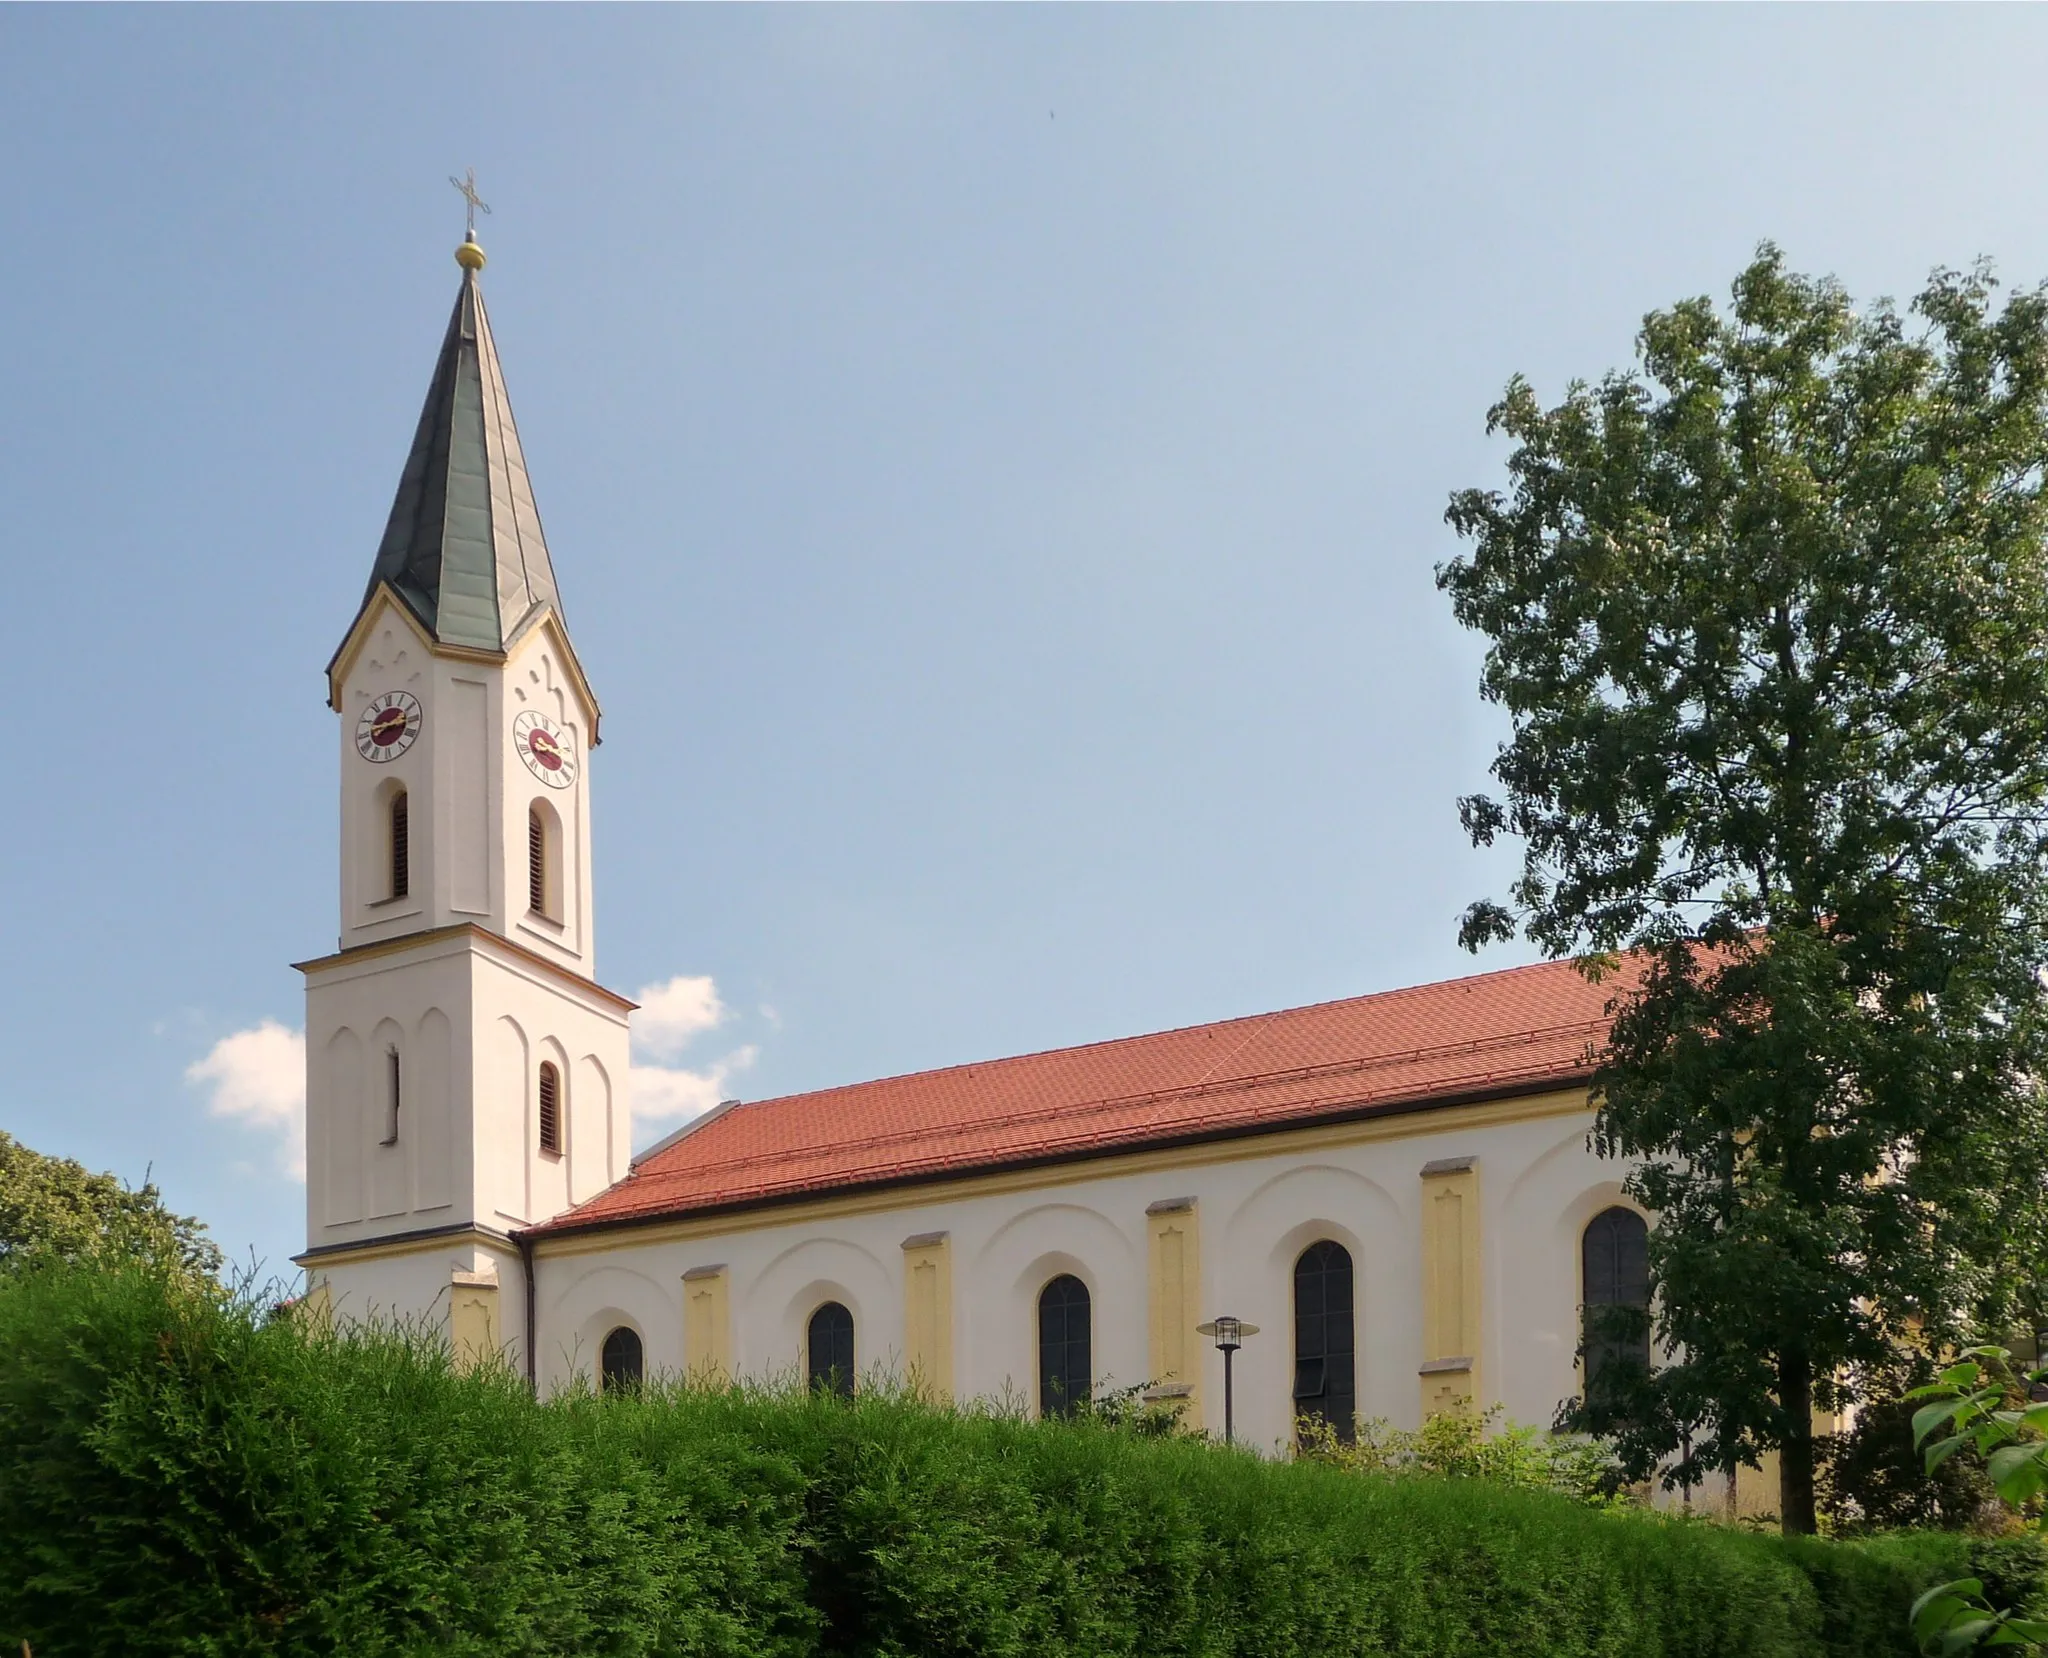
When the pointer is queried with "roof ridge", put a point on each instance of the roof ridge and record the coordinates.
(1107, 1104)
(1053, 1148)
(1171, 1030)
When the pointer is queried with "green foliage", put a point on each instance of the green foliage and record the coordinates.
(53, 1208)
(1872, 1477)
(1984, 1405)
(1769, 617)
(179, 1475)
(1467, 1444)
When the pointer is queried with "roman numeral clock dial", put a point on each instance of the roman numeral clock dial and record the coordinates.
(548, 750)
(387, 727)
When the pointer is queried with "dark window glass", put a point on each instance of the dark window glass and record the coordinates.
(1325, 1362)
(1615, 1262)
(1065, 1364)
(622, 1362)
(550, 1107)
(401, 846)
(393, 1084)
(830, 1346)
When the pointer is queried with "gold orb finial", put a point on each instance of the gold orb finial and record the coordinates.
(470, 256)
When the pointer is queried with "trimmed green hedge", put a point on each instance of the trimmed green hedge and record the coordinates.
(177, 1477)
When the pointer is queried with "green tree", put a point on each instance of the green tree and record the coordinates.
(1769, 616)
(53, 1208)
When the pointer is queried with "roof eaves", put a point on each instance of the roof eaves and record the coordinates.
(967, 1167)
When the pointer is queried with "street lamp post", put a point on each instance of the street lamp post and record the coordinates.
(1228, 1333)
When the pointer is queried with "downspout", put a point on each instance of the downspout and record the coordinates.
(525, 1243)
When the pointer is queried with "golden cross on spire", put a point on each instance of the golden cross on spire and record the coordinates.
(467, 185)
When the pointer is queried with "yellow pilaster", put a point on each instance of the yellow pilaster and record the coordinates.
(1174, 1302)
(707, 1326)
(928, 1314)
(1451, 1329)
(473, 1318)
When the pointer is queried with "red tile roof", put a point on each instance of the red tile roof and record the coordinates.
(1518, 1031)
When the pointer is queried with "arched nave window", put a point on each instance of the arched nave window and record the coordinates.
(623, 1361)
(1325, 1355)
(1614, 1257)
(1065, 1361)
(829, 1350)
(401, 846)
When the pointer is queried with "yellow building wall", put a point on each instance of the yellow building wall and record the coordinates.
(473, 1319)
(928, 1314)
(1174, 1301)
(1451, 1311)
(707, 1326)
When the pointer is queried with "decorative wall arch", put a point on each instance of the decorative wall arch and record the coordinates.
(345, 1132)
(598, 1301)
(591, 1132)
(775, 1307)
(433, 1111)
(997, 1329)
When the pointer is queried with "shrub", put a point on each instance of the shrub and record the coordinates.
(180, 1476)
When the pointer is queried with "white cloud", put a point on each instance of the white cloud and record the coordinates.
(672, 1015)
(675, 1013)
(662, 1091)
(258, 1075)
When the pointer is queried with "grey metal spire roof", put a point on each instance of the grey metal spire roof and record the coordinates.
(463, 547)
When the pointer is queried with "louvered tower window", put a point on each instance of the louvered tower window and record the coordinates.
(536, 862)
(401, 846)
(550, 1108)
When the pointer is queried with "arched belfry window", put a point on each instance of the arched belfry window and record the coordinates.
(828, 1346)
(550, 1108)
(1614, 1264)
(401, 846)
(540, 863)
(1065, 1346)
(1325, 1351)
(623, 1361)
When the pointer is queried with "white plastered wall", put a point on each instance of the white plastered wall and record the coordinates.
(1260, 1202)
(468, 792)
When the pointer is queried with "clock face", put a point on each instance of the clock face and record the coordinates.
(548, 750)
(388, 727)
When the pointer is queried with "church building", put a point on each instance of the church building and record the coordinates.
(1393, 1194)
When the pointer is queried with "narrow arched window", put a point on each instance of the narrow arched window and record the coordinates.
(1325, 1351)
(829, 1350)
(1065, 1346)
(622, 1362)
(401, 846)
(550, 1108)
(536, 861)
(393, 1080)
(1614, 1259)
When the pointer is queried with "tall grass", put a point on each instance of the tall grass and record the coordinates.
(181, 1477)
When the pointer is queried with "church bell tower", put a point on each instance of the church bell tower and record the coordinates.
(466, 1073)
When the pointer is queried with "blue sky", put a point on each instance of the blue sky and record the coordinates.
(994, 460)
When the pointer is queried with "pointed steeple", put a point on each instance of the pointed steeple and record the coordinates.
(463, 547)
